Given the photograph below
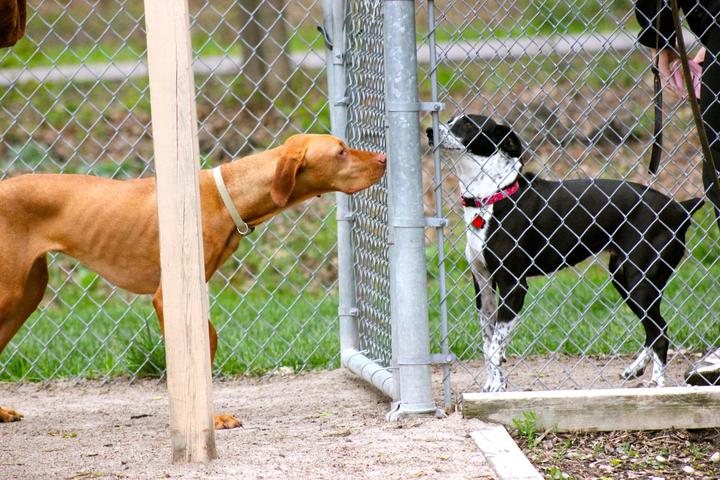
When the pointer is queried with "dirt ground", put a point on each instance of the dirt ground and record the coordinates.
(565, 372)
(666, 455)
(323, 425)
(320, 425)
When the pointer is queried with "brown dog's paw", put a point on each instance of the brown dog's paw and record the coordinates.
(9, 415)
(224, 421)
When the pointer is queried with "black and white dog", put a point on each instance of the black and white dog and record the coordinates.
(521, 226)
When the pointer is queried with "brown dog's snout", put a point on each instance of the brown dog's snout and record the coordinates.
(381, 158)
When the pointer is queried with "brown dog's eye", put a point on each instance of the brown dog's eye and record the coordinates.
(342, 152)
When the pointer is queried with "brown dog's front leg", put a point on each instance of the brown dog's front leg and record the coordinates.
(222, 421)
(158, 304)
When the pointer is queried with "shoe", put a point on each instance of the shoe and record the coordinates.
(706, 372)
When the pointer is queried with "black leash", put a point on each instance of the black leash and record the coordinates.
(702, 135)
(656, 150)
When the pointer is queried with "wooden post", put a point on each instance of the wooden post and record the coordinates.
(185, 300)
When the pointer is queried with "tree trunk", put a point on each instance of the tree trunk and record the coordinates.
(263, 38)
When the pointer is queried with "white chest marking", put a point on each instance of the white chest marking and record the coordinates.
(476, 237)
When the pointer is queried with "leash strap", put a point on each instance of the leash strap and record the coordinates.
(242, 227)
(656, 150)
(702, 135)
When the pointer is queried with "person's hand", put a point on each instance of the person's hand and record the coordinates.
(666, 57)
(671, 75)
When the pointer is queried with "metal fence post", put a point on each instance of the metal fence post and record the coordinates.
(442, 289)
(411, 337)
(351, 356)
(334, 31)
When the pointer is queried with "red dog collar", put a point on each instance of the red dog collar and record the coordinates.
(494, 198)
(478, 221)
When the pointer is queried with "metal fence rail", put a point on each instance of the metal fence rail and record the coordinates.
(366, 129)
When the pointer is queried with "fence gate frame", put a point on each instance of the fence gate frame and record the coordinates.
(407, 381)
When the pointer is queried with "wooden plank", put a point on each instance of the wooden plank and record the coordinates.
(185, 299)
(602, 410)
(503, 454)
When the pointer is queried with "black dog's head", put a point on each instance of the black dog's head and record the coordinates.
(478, 135)
(484, 155)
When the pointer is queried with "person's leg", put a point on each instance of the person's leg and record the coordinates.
(710, 109)
(707, 370)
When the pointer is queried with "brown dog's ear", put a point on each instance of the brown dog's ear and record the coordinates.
(288, 165)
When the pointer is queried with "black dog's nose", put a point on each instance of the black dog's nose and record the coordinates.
(429, 133)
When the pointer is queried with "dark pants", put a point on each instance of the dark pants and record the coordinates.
(710, 109)
(13, 16)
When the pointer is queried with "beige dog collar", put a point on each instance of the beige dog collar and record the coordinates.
(242, 227)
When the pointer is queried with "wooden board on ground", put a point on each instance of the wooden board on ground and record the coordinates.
(502, 453)
(602, 410)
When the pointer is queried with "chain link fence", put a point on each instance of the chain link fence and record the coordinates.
(366, 129)
(577, 89)
(74, 98)
(568, 77)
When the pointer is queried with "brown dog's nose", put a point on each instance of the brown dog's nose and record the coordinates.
(381, 157)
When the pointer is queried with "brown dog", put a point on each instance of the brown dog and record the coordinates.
(111, 226)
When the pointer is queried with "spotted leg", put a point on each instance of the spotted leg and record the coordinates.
(512, 298)
(637, 367)
(486, 307)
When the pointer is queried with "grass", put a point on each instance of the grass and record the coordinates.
(115, 50)
(579, 72)
(270, 313)
(76, 34)
(526, 19)
(283, 311)
(527, 428)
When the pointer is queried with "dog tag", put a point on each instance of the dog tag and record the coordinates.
(478, 221)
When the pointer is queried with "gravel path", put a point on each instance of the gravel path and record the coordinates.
(322, 425)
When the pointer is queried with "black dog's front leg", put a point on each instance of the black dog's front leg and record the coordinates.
(486, 306)
(512, 297)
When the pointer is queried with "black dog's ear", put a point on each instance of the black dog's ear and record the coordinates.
(507, 141)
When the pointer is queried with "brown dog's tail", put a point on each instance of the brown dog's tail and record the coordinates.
(692, 205)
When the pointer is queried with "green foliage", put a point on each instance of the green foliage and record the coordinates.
(554, 473)
(527, 428)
